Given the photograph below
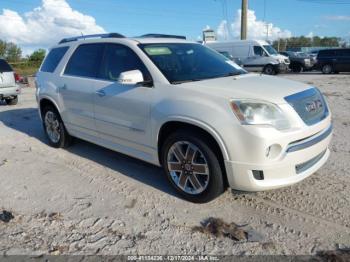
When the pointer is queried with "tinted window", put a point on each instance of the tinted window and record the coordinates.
(186, 62)
(258, 50)
(326, 53)
(118, 59)
(4, 66)
(85, 61)
(343, 52)
(53, 59)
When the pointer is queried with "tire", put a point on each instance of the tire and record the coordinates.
(12, 101)
(297, 68)
(198, 154)
(327, 69)
(269, 70)
(54, 128)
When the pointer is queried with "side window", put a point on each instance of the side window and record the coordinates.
(119, 58)
(53, 59)
(258, 51)
(85, 61)
(326, 53)
(343, 52)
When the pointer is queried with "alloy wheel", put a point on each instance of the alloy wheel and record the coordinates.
(188, 167)
(52, 126)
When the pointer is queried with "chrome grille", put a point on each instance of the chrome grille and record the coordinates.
(310, 105)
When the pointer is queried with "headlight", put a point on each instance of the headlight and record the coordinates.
(251, 112)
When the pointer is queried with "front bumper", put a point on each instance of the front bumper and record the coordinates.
(281, 68)
(299, 160)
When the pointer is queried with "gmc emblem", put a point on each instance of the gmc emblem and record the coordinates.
(313, 106)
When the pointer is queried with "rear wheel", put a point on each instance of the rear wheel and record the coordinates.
(12, 101)
(192, 167)
(54, 128)
(327, 69)
(269, 70)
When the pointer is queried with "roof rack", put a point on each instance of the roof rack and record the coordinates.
(163, 36)
(76, 38)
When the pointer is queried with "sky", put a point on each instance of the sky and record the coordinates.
(34, 24)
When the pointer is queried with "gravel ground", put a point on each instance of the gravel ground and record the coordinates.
(90, 200)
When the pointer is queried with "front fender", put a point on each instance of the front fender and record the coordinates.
(197, 123)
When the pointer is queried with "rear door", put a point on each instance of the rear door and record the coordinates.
(343, 60)
(76, 87)
(7, 78)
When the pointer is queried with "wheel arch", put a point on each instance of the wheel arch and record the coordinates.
(45, 101)
(202, 129)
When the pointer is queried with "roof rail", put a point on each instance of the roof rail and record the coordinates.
(163, 36)
(76, 38)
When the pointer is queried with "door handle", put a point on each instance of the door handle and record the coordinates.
(101, 93)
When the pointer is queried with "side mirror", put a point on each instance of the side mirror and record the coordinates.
(132, 77)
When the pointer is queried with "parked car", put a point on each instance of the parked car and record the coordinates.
(9, 90)
(298, 61)
(333, 60)
(256, 56)
(230, 57)
(313, 55)
(182, 106)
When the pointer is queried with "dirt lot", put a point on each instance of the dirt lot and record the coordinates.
(89, 200)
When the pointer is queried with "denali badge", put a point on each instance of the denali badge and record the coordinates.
(313, 105)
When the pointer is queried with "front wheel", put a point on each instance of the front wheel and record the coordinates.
(269, 70)
(297, 68)
(192, 167)
(12, 101)
(54, 128)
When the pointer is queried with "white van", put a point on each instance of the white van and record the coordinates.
(256, 55)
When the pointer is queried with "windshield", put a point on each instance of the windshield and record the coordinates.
(186, 62)
(270, 50)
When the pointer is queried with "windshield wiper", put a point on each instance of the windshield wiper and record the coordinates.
(206, 78)
(185, 81)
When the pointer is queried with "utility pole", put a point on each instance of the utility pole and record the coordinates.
(244, 19)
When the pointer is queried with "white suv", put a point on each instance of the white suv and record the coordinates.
(181, 105)
(9, 90)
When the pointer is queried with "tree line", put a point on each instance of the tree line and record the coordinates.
(13, 54)
(302, 41)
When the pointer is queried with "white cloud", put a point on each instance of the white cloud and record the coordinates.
(310, 35)
(338, 18)
(256, 29)
(45, 25)
(207, 27)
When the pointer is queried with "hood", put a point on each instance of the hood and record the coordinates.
(249, 86)
(280, 58)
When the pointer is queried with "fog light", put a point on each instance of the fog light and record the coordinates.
(258, 174)
(273, 151)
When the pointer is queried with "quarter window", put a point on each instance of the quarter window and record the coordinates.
(53, 59)
(119, 58)
(85, 61)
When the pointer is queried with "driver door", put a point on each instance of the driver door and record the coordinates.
(122, 111)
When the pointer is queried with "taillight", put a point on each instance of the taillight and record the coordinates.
(17, 77)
